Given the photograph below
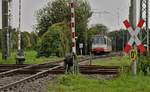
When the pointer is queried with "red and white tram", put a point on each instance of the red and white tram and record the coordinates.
(101, 44)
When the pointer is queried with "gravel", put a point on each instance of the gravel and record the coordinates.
(10, 79)
(38, 85)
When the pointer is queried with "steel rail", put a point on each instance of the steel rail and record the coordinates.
(2, 74)
(32, 77)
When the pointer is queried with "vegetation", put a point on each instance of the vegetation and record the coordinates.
(55, 40)
(119, 39)
(125, 83)
(113, 61)
(144, 64)
(55, 13)
(30, 57)
(52, 32)
(28, 40)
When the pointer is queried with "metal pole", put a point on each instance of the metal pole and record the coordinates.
(141, 11)
(118, 16)
(4, 27)
(90, 58)
(144, 13)
(19, 27)
(134, 14)
(10, 25)
(116, 44)
(123, 41)
(75, 62)
(73, 26)
(147, 23)
(20, 53)
(81, 51)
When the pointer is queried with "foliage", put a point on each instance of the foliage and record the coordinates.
(34, 39)
(25, 40)
(28, 40)
(58, 11)
(56, 40)
(55, 12)
(83, 12)
(30, 57)
(113, 61)
(144, 64)
(119, 39)
(14, 39)
(98, 29)
(78, 83)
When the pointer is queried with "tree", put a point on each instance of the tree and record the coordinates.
(56, 40)
(119, 39)
(34, 39)
(25, 40)
(58, 11)
(55, 12)
(99, 29)
(83, 12)
(14, 39)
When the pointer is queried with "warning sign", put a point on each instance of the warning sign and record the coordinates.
(133, 54)
(134, 36)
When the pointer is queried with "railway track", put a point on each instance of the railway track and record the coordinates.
(92, 69)
(8, 69)
(24, 73)
(33, 71)
(29, 73)
(11, 86)
(58, 70)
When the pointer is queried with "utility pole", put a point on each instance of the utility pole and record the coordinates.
(86, 43)
(5, 29)
(134, 14)
(20, 53)
(147, 24)
(118, 17)
(144, 14)
(123, 41)
(19, 27)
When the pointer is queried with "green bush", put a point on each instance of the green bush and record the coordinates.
(144, 65)
(56, 41)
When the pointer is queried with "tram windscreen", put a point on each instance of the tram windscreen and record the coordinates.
(99, 40)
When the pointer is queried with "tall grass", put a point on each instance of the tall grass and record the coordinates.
(113, 61)
(30, 57)
(125, 83)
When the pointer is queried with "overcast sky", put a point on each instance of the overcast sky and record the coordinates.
(117, 11)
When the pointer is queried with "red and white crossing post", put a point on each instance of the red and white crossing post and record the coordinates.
(73, 35)
(72, 24)
(134, 38)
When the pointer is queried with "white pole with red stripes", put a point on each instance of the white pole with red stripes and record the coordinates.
(72, 6)
(73, 35)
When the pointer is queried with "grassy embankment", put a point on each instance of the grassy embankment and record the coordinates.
(125, 83)
(113, 61)
(30, 57)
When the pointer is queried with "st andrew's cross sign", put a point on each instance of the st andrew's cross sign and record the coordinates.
(134, 37)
